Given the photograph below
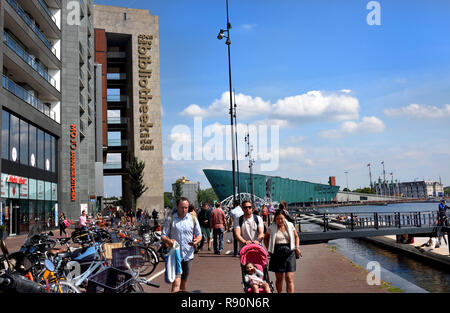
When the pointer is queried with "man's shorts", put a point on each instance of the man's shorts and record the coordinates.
(186, 267)
(206, 231)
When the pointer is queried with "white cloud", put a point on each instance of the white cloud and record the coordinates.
(420, 111)
(247, 106)
(313, 105)
(249, 26)
(180, 137)
(369, 124)
(319, 106)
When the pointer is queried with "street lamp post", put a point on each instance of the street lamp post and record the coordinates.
(228, 43)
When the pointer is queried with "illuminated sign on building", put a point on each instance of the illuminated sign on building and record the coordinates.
(144, 46)
(73, 169)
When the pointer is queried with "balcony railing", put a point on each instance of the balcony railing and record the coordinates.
(116, 76)
(47, 10)
(116, 55)
(117, 98)
(21, 93)
(117, 142)
(27, 58)
(117, 120)
(33, 27)
(112, 165)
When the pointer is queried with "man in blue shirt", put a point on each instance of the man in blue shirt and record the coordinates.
(184, 229)
(442, 213)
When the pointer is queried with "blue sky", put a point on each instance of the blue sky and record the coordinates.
(344, 93)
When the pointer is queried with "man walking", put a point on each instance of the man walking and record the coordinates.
(250, 228)
(184, 229)
(204, 219)
(217, 224)
(233, 221)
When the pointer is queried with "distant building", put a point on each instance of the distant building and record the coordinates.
(416, 189)
(189, 190)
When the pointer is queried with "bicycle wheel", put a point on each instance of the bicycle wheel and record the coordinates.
(150, 260)
(67, 287)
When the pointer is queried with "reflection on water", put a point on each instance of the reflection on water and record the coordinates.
(428, 277)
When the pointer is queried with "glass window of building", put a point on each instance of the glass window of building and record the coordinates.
(47, 150)
(5, 135)
(23, 142)
(40, 149)
(32, 147)
(14, 129)
(53, 148)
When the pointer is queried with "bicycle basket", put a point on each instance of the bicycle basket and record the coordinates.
(120, 254)
(109, 280)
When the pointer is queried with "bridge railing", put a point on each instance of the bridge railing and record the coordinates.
(378, 220)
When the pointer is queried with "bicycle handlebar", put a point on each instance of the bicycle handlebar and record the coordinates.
(151, 284)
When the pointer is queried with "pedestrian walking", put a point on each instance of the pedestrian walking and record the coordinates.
(184, 229)
(250, 228)
(83, 221)
(63, 224)
(217, 224)
(283, 244)
(204, 219)
(271, 213)
(155, 217)
(233, 222)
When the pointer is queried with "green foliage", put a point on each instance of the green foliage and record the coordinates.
(207, 196)
(346, 189)
(365, 190)
(167, 197)
(135, 176)
(178, 192)
(2, 228)
(447, 190)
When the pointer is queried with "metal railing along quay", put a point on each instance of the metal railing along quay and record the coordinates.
(33, 26)
(351, 225)
(21, 93)
(25, 56)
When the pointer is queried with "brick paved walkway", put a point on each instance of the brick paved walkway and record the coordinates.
(320, 270)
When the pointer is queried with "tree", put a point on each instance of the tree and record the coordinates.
(365, 190)
(178, 192)
(135, 176)
(207, 196)
(346, 189)
(167, 199)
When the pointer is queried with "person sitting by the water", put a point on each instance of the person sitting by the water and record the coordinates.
(432, 243)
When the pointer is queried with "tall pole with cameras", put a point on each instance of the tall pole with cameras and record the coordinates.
(237, 153)
(228, 43)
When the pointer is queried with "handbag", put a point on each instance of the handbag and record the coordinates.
(229, 238)
(66, 223)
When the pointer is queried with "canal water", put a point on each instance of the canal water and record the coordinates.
(407, 271)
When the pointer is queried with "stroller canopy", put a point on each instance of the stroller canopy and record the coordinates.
(255, 254)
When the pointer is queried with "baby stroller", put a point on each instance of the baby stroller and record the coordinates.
(257, 255)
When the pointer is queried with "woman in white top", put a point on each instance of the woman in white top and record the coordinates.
(283, 245)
